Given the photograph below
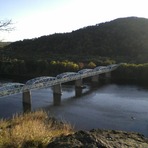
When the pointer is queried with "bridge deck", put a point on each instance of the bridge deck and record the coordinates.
(46, 81)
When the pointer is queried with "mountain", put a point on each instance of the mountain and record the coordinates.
(120, 39)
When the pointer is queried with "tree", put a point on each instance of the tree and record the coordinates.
(5, 25)
(91, 65)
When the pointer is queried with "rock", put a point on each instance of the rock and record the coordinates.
(100, 139)
(78, 139)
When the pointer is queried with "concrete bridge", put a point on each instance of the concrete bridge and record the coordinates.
(8, 89)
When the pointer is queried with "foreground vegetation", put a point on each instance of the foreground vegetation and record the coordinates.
(31, 130)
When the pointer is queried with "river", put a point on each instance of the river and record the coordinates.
(110, 106)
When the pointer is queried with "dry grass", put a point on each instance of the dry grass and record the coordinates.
(31, 130)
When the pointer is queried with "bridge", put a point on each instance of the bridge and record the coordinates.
(8, 89)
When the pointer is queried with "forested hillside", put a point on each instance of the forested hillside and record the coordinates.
(123, 39)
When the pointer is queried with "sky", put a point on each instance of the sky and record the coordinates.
(35, 18)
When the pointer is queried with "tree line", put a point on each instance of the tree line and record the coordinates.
(132, 73)
(40, 67)
(125, 72)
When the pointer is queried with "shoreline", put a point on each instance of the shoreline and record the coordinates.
(61, 134)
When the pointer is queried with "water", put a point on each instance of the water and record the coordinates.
(111, 106)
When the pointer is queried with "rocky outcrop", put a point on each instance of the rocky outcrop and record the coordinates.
(100, 139)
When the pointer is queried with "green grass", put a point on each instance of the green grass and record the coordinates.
(34, 129)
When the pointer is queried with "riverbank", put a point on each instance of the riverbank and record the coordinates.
(37, 129)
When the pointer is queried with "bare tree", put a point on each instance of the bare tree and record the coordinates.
(5, 25)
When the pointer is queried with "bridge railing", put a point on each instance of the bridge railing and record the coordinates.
(10, 89)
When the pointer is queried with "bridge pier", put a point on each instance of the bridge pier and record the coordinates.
(78, 87)
(78, 91)
(107, 77)
(79, 83)
(57, 93)
(95, 80)
(27, 101)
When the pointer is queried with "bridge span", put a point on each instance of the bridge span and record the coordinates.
(8, 89)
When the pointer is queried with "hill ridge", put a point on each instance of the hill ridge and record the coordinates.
(122, 37)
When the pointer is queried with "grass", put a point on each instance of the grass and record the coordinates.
(31, 130)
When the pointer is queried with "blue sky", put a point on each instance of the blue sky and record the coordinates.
(35, 18)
